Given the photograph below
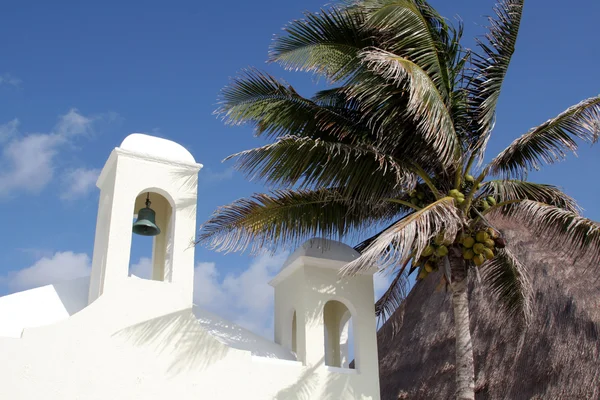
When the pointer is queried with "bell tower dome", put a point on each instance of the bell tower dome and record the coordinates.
(165, 173)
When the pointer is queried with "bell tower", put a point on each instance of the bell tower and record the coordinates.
(315, 308)
(146, 171)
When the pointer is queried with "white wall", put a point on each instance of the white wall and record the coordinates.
(141, 341)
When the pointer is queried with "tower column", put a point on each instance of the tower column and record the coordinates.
(144, 164)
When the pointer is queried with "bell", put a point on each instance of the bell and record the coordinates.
(145, 224)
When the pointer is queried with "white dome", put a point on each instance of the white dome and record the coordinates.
(157, 147)
(325, 249)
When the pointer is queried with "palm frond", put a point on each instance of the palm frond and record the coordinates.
(361, 170)
(489, 69)
(550, 141)
(286, 217)
(413, 31)
(509, 282)
(425, 103)
(325, 43)
(336, 98)
(275, 108)
(364, 244)
(578, 237)
(394, 295)
(509, 190)
(408, 237)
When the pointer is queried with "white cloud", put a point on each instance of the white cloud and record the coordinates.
(9, 79)
(209, 176)
(142, 269)
(73, 123)
(9, 130)
(79, 182)
(244, 298)
(59, 267)
(28, 161)
(207, 288)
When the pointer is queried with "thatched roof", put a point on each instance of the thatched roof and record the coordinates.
(556, 357)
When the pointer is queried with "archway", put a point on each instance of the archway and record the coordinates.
(151, 257)
(339, 344)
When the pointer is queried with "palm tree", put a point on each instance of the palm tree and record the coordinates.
(398, 142)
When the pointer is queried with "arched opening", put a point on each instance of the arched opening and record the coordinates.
(294, 334)
(339, 343)
(151, 256)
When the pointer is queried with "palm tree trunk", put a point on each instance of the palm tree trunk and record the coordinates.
(465, 370)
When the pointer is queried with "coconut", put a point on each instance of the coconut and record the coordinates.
(478, 248)
(488, 253)
(427, 251)
(469, 178)
(454, 193)
(491, 200)
(489, 243)
(460, 200)
(441, 251)
(492, 232)
(422, 275)
(439, 239)
(468, 242)
(478, 259)
(485, 205)
(468, 254)
(482, 236)
(429, 267)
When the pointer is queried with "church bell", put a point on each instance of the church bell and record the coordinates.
(145, 224)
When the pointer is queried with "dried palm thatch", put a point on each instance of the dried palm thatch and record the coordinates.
(556, 357)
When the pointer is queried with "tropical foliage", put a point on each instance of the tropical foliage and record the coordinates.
(398, 142)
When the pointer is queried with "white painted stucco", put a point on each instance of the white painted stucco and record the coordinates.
(115, 336)
(151, 146)
(324, 249)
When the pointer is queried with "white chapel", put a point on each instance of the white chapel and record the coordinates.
(115, 336)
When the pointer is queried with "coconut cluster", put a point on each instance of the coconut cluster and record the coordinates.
(477, 247)
(418, 198)
(481, 245)
(467, 185)
(431, 255)
(486, 203)
(457, 195)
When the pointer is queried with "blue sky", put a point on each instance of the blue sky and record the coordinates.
(77, 77)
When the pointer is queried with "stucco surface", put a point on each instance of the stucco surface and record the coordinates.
(51, 304)
(143, 341)
(323, 249)
(41, 306)
(158, 147)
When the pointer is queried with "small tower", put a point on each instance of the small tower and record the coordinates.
(313, 304)
(166, 172)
